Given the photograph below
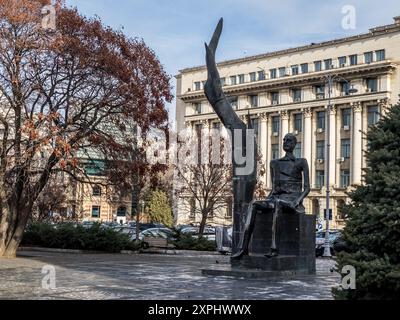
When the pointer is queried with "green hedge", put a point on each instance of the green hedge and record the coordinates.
(70, 236)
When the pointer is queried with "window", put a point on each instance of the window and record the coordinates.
(275, 151)
(96, 191)
(253, 101)
(319, 178)
(317, 66)
(315, 208)
(282, 72)
(295, 70)
(342, 61)
(275, 97)
(95, 211)
(272, 73)
(254, 125)
(121, 212)
(296, 95)
(344, 88)
(368, 57)
(197, 85)
(340, 205)
(252, 76)
(373, 115)
(304, 68)
(261, 75)
(276, 124)
(345, 148)
(346, 118)
(321, 120)
(320, 92)
(241, 78)
(344, 178)
(233, 80)
(223, 82)
(298, 122)
(372, 85)
(216, 126)
(353, 60)
(95, 168)
(198, 128)
(328, 64)
(197, 108)
(234, 103)
(321, 150)
(297, 150)
(380, 55)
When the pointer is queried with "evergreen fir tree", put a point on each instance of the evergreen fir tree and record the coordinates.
(159, 208)
(372, 232)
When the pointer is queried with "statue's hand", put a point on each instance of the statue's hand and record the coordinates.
(213, 88)
(294, 204)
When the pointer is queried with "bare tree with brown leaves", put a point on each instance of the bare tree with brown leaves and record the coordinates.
(80, 87)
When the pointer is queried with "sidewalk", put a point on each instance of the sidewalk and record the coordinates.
(148, 277)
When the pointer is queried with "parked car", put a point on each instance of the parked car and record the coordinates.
(320, 241)
(164, 233)
(339, 244)
(145, 226)
(209, 232)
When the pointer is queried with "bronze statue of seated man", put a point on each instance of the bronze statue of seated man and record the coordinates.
(288, 192)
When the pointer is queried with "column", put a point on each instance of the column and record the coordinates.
(332, 142)
(384, 105)
(357, 143)
(285, 123)
(307, 140)
(263, 143)
(269, 150)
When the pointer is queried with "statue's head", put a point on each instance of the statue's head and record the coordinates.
(289, 142)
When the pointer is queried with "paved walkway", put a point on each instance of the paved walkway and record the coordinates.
(147, 277)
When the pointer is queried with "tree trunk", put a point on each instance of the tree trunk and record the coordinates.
(204, 216)
(12, 226)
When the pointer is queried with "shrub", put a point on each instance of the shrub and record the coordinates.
(70, 236)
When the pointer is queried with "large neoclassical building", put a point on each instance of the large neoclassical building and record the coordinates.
(285, 91)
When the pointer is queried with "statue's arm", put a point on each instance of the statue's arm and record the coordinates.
(213, 88)
(306, 183)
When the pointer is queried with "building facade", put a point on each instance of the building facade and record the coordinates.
(286, 91)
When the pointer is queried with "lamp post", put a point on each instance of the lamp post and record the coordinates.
(329, 80)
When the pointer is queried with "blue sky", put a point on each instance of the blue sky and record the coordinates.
(177, 29)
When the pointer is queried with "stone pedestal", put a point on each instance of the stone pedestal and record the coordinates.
(295, 241)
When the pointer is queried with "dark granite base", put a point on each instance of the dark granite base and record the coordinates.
(228, 271)
(280, 263)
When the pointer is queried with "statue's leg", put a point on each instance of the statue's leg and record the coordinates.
(274, 248)
(246, 235)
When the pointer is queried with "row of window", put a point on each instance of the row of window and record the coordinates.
(372, 115)
(96, 211)
(344, 178)
(296, 95)
(327, 64)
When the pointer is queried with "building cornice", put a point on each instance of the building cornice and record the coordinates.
(373, 33)
(309, 79)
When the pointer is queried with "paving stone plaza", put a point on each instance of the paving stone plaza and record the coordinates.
(148, 277)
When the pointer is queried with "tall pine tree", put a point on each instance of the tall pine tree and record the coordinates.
(372, 232)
